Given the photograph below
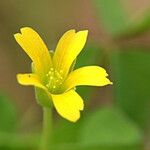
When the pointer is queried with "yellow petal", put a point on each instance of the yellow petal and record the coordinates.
(90, 75)
(30, 79)
(68, 48)
(34, 46)
(68, 105)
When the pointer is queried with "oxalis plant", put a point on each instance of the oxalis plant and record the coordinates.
(54, 78)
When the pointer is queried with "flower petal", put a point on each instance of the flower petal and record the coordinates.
(68, 48)
(34, 46)
(30, 79)
(68, 105)
(89, 75)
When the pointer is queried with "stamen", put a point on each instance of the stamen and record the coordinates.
(61, 71)
(47, 85)
(54, 80)
(51, 77)
(54, 86)
(60, 83)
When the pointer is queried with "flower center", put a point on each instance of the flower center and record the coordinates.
(55, 80)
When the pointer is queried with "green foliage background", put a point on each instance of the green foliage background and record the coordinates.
(116, 117)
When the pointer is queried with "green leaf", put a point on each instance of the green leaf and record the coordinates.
(106, 129)
(137, 27)
(112, 15)
(115, 21)
(110, 129)
(90, 55)
(8, 114)
(66, 132)
(82, 147)
(13, 141)
(132, 83)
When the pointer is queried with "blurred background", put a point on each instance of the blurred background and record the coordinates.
(115, 117)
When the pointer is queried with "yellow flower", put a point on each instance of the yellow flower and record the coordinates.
(52, 71)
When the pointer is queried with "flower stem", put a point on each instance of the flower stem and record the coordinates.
(47, 129)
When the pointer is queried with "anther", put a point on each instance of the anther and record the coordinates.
(47, 85)
(51, 77)
(54, 86)
(61, 71)
(49, 72)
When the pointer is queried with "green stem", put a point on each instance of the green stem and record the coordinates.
(47, 129)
